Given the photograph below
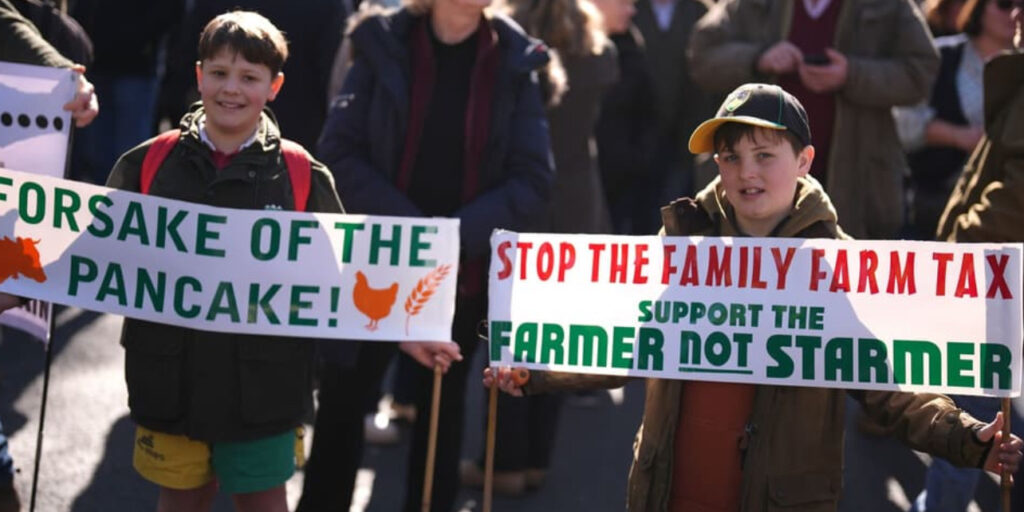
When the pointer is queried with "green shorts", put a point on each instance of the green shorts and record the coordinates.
(178, 462)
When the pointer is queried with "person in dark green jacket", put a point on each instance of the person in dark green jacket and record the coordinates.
(21, 42)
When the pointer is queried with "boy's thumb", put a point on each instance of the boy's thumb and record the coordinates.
(986, 433)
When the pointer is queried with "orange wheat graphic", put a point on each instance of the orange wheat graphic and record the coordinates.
(423, 291)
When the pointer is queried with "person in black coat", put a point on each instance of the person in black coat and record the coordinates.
(440, 115)
(627, 129)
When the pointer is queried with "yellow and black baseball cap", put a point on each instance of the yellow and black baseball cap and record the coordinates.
(763, 105)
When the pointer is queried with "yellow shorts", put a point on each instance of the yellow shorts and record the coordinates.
(177, 462)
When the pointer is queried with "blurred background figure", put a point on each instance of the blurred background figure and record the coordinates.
(313, 29)
(939, 133)
(128, 38)
(573, 29)
(628, 126)
(848, 62)
(942, 16)
(666, 26)
(986, 205)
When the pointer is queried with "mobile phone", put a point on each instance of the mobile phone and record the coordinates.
(816, 59)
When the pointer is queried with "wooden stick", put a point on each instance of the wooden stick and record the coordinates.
(428, 476)
(492, 425)
(1005, 474)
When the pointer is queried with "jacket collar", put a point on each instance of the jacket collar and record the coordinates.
(1003, 78)
(383, 37)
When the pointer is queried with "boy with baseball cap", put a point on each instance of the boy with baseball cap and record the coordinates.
(717, 446)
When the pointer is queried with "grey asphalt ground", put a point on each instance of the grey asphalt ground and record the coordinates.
(86, 461)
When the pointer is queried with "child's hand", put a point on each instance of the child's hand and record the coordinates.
(509, 380)
(432, 353)
(1003, 454)
(8, 301)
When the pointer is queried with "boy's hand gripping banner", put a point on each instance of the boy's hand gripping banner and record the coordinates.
(882, 315)
(217, 269)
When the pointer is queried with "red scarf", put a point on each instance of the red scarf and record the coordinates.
(478, 107)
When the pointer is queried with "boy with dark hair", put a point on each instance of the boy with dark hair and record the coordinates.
(218, 409)
(720, 447)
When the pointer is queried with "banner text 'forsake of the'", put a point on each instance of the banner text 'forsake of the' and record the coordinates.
(882, 315)
(242, 271)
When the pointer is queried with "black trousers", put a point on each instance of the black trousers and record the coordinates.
(525, 434)
(337, 449)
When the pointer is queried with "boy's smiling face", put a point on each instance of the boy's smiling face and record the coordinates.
(234, 91)
(759, 174)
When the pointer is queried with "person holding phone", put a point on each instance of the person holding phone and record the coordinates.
(848, 62)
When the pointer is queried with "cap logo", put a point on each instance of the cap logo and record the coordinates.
(737, 101)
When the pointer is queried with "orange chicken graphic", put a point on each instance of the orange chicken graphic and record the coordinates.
(374, 303)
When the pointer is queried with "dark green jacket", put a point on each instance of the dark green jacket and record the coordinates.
(214, 386)
(21, 42)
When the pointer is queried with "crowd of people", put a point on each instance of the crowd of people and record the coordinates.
(561, 116)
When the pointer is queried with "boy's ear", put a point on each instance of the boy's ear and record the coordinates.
(275, 86)
(804, 160)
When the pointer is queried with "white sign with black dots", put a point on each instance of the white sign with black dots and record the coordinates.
(34, 127)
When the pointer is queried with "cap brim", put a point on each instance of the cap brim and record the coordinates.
(703, 138)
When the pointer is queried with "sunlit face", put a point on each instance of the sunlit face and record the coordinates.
(234, 92)
(759, 175)
(617, 14)
(997, 23)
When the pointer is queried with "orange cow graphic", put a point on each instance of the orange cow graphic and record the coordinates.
(20, 256)
(374, 303)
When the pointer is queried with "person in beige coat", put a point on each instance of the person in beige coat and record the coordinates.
(848, 67)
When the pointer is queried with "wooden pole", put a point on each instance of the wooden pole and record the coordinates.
(492, 424)
(1004, 474)
(428, 476)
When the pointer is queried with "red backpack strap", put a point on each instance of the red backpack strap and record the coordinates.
(155, 155)
(299, 170)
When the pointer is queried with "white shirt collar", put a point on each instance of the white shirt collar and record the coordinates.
(815, 11)
(205, 137)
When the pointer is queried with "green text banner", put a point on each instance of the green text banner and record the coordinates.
(218, 269)
(883, 315)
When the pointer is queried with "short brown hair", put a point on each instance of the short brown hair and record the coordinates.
(247, 33)
(728, 134)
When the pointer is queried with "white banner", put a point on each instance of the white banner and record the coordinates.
(34, 135)
(884, 315)
(33, 125)
(218, 269)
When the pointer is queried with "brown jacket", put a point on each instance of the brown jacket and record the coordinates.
(794, 454)
(987, 204)
(892, 61)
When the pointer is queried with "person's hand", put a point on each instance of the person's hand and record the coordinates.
(84, 106)
(507, 379)
(968, 136)
(1004, 454)
(8, 301)
(781, 58)
(825, 78)
(432, 353)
